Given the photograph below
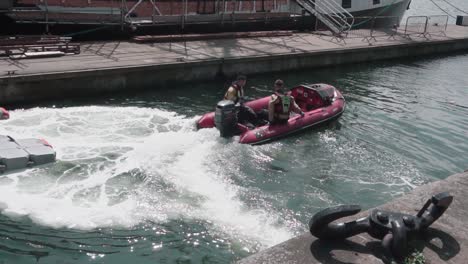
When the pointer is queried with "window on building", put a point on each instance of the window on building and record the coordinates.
(346, 3)
(376, 2)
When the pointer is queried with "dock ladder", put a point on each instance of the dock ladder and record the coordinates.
(336, 18)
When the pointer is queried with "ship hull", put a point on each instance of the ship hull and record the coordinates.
(97, 25)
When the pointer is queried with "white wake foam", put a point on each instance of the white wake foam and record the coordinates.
(121, 166)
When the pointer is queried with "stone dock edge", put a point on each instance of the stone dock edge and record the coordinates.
(46, 85)
(446, 241)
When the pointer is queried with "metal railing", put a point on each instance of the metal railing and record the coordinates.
(426, 26)
(21, 45)
(336, 13)
(371, 28)
(437, 25)
(333, 16)
(416, 25)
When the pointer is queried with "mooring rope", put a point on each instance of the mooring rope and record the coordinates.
(452, 5)
(443, 10)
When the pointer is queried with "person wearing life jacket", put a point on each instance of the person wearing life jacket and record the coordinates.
(235, 93)
(281, 105)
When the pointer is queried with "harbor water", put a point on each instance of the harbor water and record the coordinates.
(136, 183)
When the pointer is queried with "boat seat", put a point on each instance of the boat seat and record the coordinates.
(302, 105)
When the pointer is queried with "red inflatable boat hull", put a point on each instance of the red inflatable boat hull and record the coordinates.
(4, 114)
(313, 115)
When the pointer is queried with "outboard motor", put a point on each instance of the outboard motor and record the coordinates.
(226, 118)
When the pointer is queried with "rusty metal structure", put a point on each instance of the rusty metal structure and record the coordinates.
(133, 14)
(17, 47)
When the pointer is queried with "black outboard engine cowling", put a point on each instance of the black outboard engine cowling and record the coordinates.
(226, 118)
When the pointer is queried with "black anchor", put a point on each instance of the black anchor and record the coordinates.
(394, 229)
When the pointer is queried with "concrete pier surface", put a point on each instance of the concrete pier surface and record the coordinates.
(446, 240)
(104, 67)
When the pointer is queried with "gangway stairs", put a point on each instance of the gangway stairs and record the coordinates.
(336, 18)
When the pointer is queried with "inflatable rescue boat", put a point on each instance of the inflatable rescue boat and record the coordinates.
(319, 102)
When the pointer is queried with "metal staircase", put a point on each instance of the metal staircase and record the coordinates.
(336, 18)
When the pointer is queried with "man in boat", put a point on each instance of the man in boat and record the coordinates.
(235, 93)
(281, 105)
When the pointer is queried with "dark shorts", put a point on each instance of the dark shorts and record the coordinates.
(246, 114)
(279, 122)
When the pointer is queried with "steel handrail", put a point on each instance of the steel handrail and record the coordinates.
(425, 26)
(446, 21)
(336, 13)
(338, 10)
(335, 9)
(336, 23)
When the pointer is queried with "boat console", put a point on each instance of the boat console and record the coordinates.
(310, 97)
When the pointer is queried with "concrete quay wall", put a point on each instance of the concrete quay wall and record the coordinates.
(71, 77)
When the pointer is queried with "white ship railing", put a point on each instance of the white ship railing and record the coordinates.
(330, 13)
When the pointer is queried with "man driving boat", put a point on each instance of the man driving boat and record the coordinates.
(235, 93)
(281, 105)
